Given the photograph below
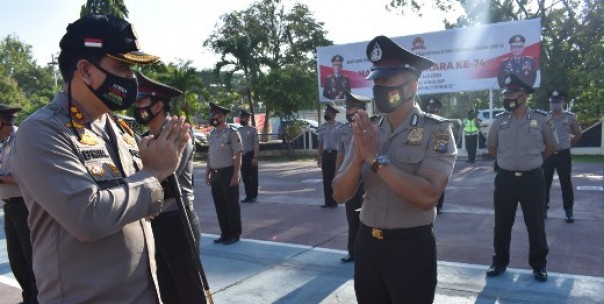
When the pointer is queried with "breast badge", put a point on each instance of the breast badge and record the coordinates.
(415, 136)
(129, 140)
(88, 139)
(442, 141)
(96, 170)
(533, 123)
(114, 170)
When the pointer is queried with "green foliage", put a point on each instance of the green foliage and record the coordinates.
(288, 90)
(105, 7)
(265, 36)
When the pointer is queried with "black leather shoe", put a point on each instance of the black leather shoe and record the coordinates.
(324, 206)
(231, 241)
(347, 259)
(247, 200)
(540, 274)
(569, 216)
(219, 240)
(495, 270)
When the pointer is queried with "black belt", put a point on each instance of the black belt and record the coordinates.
(222, 169)
(520, 173)
(166, 214)
(562, 151)
(16, 199)
(329, 151)
(388, 234)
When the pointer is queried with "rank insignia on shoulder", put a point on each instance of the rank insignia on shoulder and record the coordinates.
(75, 124)
(77, 114)
(88, 139)
(415, 136)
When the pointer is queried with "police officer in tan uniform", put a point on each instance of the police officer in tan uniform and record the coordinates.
(353, 104)
(569, 133)
(179, 281)
(16, 230)
(520, 139)
(90, 189)
(249, 162)
(433, 106)
(404, 163)
(328, 138)
(222, 174)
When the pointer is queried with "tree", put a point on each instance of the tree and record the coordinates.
(572, 42)
(115, 8)
(263, 37)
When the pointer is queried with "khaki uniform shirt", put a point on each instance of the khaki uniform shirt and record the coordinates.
(223, 144)
(89, 205)
(184, 172)
(249, 138)
(329, 135)
(422, 141)
(8, 149)
(520, 143)
(345, 138)
(565, 126)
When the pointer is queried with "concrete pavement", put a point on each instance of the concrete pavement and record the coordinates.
(291, 248)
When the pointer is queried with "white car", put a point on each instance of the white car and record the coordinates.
(484, 119)
(200, 138)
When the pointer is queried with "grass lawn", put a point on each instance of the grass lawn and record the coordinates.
(598, 159)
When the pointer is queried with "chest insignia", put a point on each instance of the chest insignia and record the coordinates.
(533, 123)
(114, 170)
(88, 139)
(442, 141)
(129, 140)
(415, 136)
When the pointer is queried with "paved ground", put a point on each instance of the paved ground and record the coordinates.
(291, 248)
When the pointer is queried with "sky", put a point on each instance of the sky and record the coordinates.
(176, 29)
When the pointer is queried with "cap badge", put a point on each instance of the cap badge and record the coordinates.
(555, 93)
(376, 53)
(508, 80)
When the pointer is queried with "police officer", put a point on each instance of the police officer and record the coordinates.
(222, 174)
(249, 163)
(16, 230)
(520, 139)
(353, 205)
(470, 130)
(90, 189)
(569, 133)
(337, 83)
(179, 281)
(433, 106)
(524, 67)
(404, 163)
(328, 138)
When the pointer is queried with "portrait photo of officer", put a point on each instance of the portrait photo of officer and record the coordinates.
(89, 186)
(336, 83)
(520, 139)
(404, 163)
(568, 131)
(179, 281)
(524, 67)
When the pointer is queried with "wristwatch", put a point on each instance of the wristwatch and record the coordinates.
(379, 162)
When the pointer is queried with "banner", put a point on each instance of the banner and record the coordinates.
(467, 59)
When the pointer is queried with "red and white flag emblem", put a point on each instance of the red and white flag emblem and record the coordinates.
(93, 42)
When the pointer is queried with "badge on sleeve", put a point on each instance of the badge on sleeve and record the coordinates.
(442, 141)
(415, 136)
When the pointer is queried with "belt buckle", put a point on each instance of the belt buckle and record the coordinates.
(517, 173)
(377, 233)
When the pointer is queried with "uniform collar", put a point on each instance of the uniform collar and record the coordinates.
(78, 114)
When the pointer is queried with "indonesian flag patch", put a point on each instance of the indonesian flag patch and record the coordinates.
(93, 42)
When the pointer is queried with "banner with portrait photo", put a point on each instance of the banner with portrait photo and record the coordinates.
(467, 59)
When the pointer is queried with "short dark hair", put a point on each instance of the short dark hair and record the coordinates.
(68, 61)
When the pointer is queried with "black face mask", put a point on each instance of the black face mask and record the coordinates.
(244, 122)
(327, 117)
(511, 104)
(8, 120)
(117, 93)
(144, 115)
(215, 121)
(389, 98)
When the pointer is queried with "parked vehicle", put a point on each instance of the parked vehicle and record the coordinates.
(484, 119)
(295, 127)
(200, 138)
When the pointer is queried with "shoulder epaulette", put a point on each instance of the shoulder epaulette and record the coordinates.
(123, 125)
(499, 114)
(569, 113)
(544, 113)
(436, 117)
